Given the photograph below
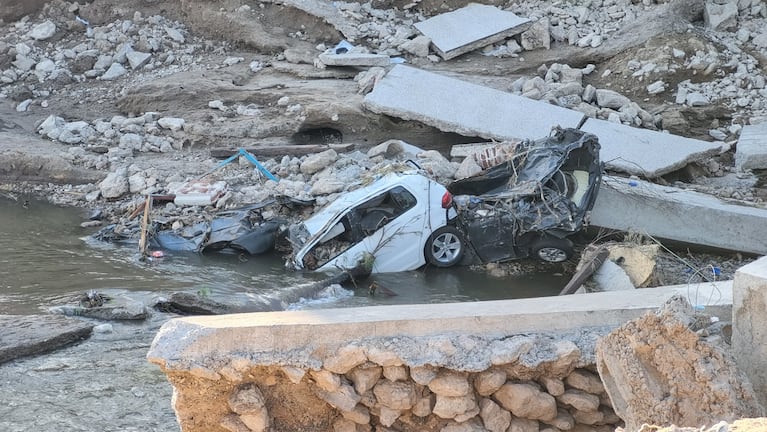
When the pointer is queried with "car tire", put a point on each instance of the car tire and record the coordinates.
(445, 247)
(552, 249)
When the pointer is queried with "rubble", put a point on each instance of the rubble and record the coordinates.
(658, 369)
(750, 152)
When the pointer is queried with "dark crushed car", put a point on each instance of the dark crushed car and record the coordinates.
(526, 206)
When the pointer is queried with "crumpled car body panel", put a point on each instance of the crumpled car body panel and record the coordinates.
(546, 189)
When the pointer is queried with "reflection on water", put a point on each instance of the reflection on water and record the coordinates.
(49, 259)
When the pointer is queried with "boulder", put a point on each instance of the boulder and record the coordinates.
(460, 408)
(26, 335)
(493, 417)
(51, 126)
(43, 31)
(720, 16)
(395, 395)
(172, 123)
(537, 36)
(137, 59)
(450, 384)
(116, 70)
(115, 184)
(527, 401)
(318, 161)
(611, 99)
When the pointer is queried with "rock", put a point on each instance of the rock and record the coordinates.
(720, 17)
(345, 359)
(326, 380)
(85, 61)
(51, 127)
(554, 387)
(344, 398)
(174, 34)
(537, 36)
(116, 70)
(23, 63)
(450, 384)
(526, 401)
(387, 149)
(423, 374)
(114, 309)
(493, 417)
(359, 415)
(76, 132)
(468, 168)
(45, 66)
(172, 123)
(656, 87)
(579, 400)
(318, 161)
(611, 99)
(395, 373)
(696, 99)
(760, 40)
(489, 381)
(26, 335)
(249, 403)
(364, 377)
(523, 425)
(582, 379)
(658, 370)
(137, 59)
(115, 184)
(131, 141)
(563, 421)
(137, 183)
(418, 46)
(395, 395)
(23, 105)
(460, 408)
(43, 31)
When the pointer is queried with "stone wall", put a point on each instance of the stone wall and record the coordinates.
(516, 365)
(516, 383)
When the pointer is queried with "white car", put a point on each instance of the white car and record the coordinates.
(400, 219)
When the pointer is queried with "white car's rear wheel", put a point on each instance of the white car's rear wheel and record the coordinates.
(445, 247)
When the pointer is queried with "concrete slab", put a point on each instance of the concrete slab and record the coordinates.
(25, 335)
(646, 153)
(751, 151)
(676, 214)
(354, 59)
(453, 105)
(193, 341)
(471, 27)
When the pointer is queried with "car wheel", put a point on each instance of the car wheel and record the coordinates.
(553, 250)
(445, 247)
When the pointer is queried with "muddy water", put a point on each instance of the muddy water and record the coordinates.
(105, 383)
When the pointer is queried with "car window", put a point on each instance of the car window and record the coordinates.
(381, 210)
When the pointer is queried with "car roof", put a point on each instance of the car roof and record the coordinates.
(358, 196)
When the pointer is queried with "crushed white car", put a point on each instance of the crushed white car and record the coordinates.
(399, 219)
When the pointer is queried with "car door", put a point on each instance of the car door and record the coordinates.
(391, 226)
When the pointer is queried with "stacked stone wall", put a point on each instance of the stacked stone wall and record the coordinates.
(515, 383)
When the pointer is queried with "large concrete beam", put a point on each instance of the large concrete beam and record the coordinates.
(749, 324)
(453, 105)
(681, 215)
(644, 152)
(471, 27)
(285, 337)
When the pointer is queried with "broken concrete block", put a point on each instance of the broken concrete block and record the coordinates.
(720, 16)
(638, 261)
(25, 335)
(453, 105)
(199, 192)
(677, 214)
(329, 58)
(611, 277)
(469, 28)
(749, 311)
(537, 36)
(644, 152)
(657, 370)
(751, 153)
